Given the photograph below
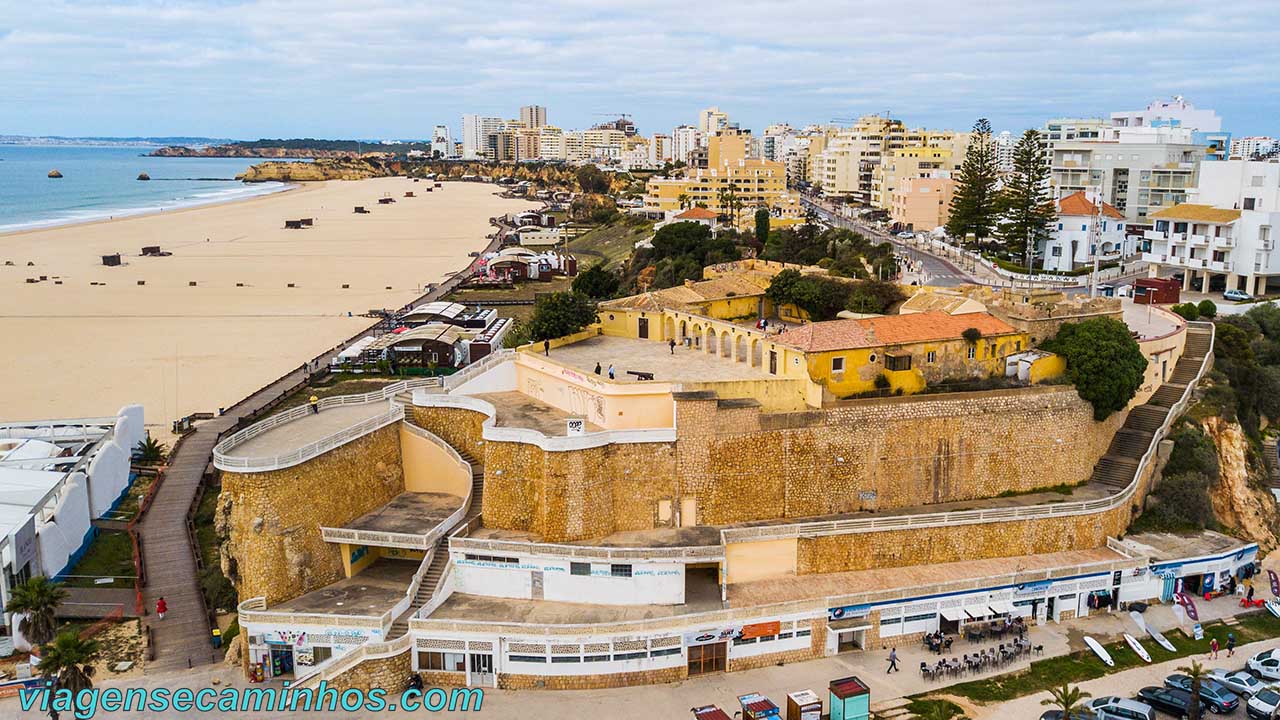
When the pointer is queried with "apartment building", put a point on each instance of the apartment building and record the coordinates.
(442, 140)
(1205, 125)
(660, 149)
(533, 116)
(551, 143)
(1068, 130)
(922, 203)
(845, 165)
(684, 140)
(1086, 227)
(711, 121)
(476, 130)
(1226, 234)
(1247, 148)
(924, 154)
(1003, 144)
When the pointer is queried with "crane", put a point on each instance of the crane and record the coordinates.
(624, 116)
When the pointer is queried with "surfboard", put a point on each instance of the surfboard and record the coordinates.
(1274, 607)
(1100, 651)
(1138, 620)
(1137, 647)
(1160, 639)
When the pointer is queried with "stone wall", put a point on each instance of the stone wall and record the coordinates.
(743, 465)
(459, 427)
(952, 543)
(273, 519)
(389, 673)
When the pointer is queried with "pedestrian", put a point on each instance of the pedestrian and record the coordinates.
(597, 368)
(1213, 649)
(546, 348)
(610, 371)
(893, 661)
(672, 344)
(1231, 644)
(315, 405)
(162, 607)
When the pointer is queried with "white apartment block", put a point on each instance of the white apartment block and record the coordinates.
(1245, 148)
(442, 140)
(1173, 113)
(684, 140)
(1227, 232)
(660, 149)
(551, 143)
(1138, 170)
(711, 121)
(476, 130)
(1003, 144)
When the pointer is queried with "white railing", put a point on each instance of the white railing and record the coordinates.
(974, 517)
(224, 461)
(254, 610)
(529, 436)
(475, 369)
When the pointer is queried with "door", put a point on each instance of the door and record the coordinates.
(536, 584)
(644, 328)
(688, 511)
(709, 658)
(773, 362)
(482, 669)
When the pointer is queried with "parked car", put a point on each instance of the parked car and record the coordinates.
(1240, 683)
(1213, 693)
(906, 235)
(1118, 708)
(1168, 700)
(1263, 704)
(1265, 665)
(1236, 295)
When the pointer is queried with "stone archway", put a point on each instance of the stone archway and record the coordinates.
(711, 340)
(668, 328)
(740, 349)
(757, 352)
(697, 335)
(684, 330)
(726, 345)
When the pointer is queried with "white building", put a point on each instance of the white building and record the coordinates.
(712, 121)
(1173, 113)
(660, 149)
(1003, 144)
(476, 130)
(1080, 231)
(533, 116)
(56, 478)
(1227, 233)
(442, 140)
(1245, 148)
(684, 140)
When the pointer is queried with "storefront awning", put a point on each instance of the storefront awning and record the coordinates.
(977, 612)
(1000, 606)
(953, 614)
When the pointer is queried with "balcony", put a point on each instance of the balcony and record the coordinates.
(1177, 237)
(1154, 235)
(1155, 258)
(1224, 242)
(1222, 266)
(1196, 263)
(1200, 240)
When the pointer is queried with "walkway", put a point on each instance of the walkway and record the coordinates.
(305, 430)
(182, 640)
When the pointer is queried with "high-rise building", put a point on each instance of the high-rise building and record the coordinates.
(684, 140)
(1003, 145)
(1173, 113)
(660, 149)
(442, 141)
(476, 130)
(712, 121)
(846, 164)
(1246, 148)
(533, 116)
(551, 145)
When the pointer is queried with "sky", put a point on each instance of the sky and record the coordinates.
(394, 69)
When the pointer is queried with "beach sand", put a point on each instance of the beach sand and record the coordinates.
(77, 349)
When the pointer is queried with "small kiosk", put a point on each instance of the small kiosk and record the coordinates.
(804, 705)
(850, 699)
(758, 707)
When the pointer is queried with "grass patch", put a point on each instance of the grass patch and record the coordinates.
(934, 708)
(612, 243)
(1060, 488)
(128, 507)
(342, 387)
(110, 554)
(1084, 665)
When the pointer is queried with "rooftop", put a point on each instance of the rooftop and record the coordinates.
(374, 591)
(697, 213)
(409, 513)
(687, 365)
(1077, 203)
(515, 409)
(1168, 546)
(701, 535)
(890, 330)
(1197, 213)
(305, 430)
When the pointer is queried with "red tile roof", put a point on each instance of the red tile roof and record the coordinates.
(890, 330)
(1077, 203)
(697, 213)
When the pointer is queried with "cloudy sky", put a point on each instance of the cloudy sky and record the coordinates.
(393, 68)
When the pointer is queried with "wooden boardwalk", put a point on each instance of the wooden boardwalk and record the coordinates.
(183, 639)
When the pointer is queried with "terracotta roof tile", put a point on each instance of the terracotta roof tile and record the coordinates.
(1077, 203)
(697, 213)
(1193, 212)
(890, 330)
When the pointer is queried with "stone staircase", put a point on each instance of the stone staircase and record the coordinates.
(1117, 468)
(895, 709)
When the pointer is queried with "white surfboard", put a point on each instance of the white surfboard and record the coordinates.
(1100, 651)
(1137, 647)
(1274, 607)
(1160, 639)
(1138, 620)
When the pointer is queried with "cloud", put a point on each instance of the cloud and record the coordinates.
(390, 68)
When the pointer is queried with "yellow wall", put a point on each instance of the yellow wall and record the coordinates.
(951, 360)
(428, 468)
(364, 561)
(1048, 368)
(750, 561)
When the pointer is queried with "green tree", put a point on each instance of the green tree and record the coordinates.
(36, 600)
(596, 282)
(592, 179)
(1267, 318)
(1026, 210)
(821, 297)
(1068, 699)
(762, 224)
(68, 661)
(1103, 361)
(1188, 311)
(1198, 675)
(973, 205)
(874, 296)
(559, 314)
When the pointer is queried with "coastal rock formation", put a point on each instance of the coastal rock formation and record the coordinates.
(143, 176)
(244, 151)
(314, 171)
(55, 174)
(1240, 498)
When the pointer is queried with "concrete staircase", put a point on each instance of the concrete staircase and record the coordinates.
(895, 709)
(1117, 468)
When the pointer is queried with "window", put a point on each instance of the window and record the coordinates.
(871, 358)
(630, 655)
(918, 618)
(897, 362)
(744, 641)
(837, 364)
(803, 633)
(493, 559)
(1057, 251)
(931, 356)
(620, 571)
(664, 652)
(576, 568)
(321, 654)
(1249, 203)
(527, 658)
(446, 661)
(562, 659)
(973, 351)
(595, 658)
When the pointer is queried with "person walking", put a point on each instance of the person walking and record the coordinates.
(162, 607)
(1231, 644)
(315, 405)
(597, 368)
(1249, 596)
(1213, 649)
(610, 371)
(671, 342)
(546, 348)
(893, 661)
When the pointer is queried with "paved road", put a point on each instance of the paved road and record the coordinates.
(937, 271)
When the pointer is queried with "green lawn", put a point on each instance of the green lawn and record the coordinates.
(610, 243)
(1084, 665)
(110, 554)
(342, 387)
(130, 503)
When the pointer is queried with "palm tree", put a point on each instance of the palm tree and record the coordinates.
(69, 662)
(1068, 699)
(683, 199)
(1198, 674)
(151, 450)
(36, 600)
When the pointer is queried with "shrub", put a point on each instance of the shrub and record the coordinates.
(1182, 502)
(1188, 311)
(882, 382)
(971, 335)
(559, 314)
(1207, 309)
(1103, 361)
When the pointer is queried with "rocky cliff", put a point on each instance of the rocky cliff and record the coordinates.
(315, 171)
(244, 151)
(1241, 501)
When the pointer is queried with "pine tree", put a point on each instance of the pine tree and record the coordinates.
(973, 204)
(1026, 210)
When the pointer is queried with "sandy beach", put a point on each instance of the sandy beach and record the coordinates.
(84, 349)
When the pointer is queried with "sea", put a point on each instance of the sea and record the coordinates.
(100, 182)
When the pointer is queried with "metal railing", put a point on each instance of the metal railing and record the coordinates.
(974, 517)
(223, 461)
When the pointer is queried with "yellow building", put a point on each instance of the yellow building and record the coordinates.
(926, 154)
(910, 351)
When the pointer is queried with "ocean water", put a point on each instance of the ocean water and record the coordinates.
(102, 182)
